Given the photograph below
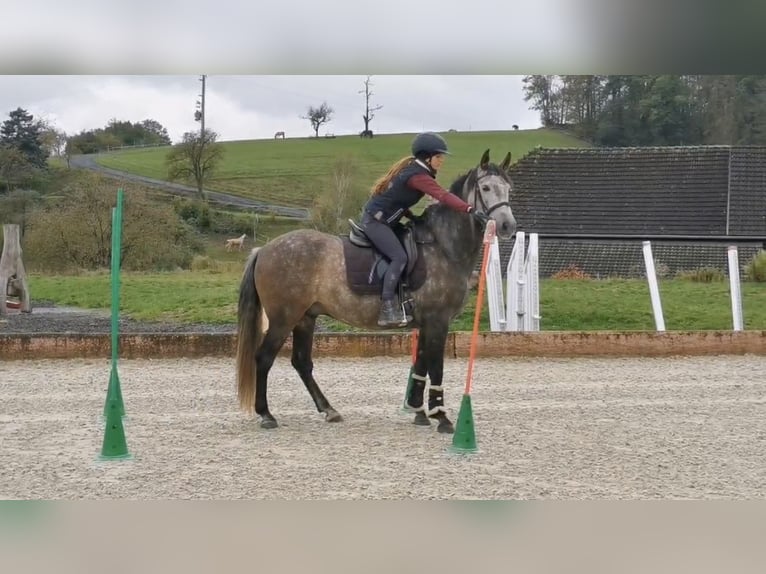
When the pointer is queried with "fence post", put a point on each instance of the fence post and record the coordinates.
(654, 291)
(515, 278)
(736, 294)
(531, 275)
(494, 277)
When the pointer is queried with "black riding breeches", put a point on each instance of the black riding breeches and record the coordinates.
(386, 241)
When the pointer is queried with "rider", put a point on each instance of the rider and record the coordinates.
(393, 194)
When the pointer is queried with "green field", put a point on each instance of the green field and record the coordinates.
(292, 171)
(565, 305)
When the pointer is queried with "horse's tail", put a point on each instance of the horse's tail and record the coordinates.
(250, 335)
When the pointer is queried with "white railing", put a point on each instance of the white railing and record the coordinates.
(519, 309)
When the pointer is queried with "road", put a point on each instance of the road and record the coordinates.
(224, 199)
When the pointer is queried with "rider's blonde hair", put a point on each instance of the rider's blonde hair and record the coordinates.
(382, 183)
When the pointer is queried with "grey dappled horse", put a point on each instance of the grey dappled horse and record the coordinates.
(294, 278)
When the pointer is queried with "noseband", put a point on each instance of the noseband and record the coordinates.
(480, 198)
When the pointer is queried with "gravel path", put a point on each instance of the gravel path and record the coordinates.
(47, 318)
(689, 428)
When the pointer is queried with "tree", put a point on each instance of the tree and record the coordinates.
(15, 167)
(71, 148)
(369, 112)
(22, 132)
(122, 133)
(195, 158)
(53, 141)
(155, 132)
(18, 206)
(343, 199)
(540, 90)
(318, 116)
(75, 229)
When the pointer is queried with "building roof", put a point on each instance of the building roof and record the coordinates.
(679, 190)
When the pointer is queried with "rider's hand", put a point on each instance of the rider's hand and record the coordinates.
(482, 218)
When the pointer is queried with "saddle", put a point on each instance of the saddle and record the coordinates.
(366, 266)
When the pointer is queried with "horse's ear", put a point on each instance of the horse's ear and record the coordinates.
(484, 163)
(506, 162)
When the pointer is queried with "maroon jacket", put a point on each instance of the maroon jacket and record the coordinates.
(406, 189)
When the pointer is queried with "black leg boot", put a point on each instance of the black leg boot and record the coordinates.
(391, 315)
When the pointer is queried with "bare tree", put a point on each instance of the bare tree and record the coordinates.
(368, 112)
(195, 158)
(71, 148)
(318, 116)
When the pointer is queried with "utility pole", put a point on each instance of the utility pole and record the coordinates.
(199, 115)
(202, 128)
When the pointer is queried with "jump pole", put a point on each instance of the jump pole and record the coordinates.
(464, 439)
(114, 445)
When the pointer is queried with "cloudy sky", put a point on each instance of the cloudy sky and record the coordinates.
(257, 106)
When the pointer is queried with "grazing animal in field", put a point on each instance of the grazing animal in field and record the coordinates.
(238, 243)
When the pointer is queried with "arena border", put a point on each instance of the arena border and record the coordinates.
(490, 344)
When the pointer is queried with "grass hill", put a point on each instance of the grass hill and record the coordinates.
(292, 171)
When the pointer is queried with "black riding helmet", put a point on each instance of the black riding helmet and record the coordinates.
(428, 144)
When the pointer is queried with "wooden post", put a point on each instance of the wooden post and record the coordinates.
(13, 276)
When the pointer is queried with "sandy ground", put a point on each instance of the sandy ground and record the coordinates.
(546, 429)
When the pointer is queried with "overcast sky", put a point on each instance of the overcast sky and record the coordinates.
(248, 107)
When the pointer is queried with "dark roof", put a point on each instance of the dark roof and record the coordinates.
(680, 190)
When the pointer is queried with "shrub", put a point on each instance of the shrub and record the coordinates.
(75, 231)
(342, 200)
(194, 212)
(572, 271)
(755, 270)
(702, 275)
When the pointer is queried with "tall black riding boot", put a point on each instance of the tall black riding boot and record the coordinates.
(391, 315)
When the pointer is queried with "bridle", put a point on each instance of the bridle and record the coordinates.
(480, 198)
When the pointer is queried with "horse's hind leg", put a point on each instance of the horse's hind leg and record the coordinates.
(272, 342)
(303, 340)
(419, 377)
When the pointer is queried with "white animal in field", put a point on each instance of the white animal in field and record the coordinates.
(238, 242)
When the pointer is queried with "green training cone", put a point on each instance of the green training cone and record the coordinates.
(114, 393)
(114, 445)
(464, 439)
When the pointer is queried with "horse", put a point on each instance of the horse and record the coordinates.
(237, 242)
(297, 276)
(279, 135)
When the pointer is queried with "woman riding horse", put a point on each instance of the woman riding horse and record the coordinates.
(405, 183)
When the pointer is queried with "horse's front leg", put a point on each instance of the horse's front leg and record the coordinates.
(430, 361)
(436, 408)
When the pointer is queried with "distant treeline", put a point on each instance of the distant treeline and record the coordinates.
(643, 110)
(120, 133)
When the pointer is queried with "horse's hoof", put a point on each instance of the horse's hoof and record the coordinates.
(445, 427)
(332, 416)
(421, 420)
(269, 424)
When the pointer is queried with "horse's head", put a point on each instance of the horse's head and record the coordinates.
(488, 189)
